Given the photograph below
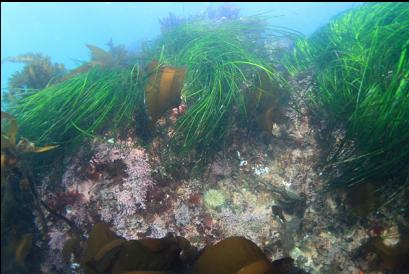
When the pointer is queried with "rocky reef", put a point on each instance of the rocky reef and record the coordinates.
(266, 188)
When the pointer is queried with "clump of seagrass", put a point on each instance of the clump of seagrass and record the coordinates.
(98, 101)
(222, 62)
(360, 66)
(106, 99)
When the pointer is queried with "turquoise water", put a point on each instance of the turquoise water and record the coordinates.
(61, 30)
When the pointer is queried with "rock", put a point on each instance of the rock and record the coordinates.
(221, 168)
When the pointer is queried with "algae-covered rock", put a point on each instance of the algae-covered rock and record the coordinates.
(214, 198)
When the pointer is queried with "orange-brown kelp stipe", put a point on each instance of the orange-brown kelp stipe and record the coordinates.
(163, 89)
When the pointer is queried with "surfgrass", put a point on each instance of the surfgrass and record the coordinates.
(360, 67)
(96, 102)
(222, 58)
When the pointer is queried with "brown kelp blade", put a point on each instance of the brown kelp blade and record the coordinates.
(99, 56)
(26, 146)
(24, 247)
(44, 149)
(8, 139)
(244, 257)
(263, 102)
(163, 89)
(264, 119)
(99, 238)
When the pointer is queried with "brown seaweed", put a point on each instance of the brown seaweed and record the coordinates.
(10, 151)
(71, 246)
(232, 255)
(23, 248)
(108, 253)
(362, 199)
(99, 56)
(117, 56)
(264, 103)
(163, 89)
(390, 258)
(37, 73)
(18, 199)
